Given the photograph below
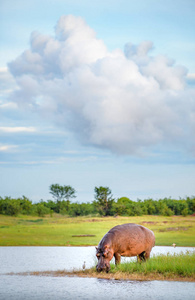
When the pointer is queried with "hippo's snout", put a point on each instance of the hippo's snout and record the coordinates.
(103, 267)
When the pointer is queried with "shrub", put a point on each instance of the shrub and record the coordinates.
(41, 209)
(10, 207)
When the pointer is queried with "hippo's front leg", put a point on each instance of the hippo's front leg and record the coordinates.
(117, 258)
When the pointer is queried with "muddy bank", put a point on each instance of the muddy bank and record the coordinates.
(90, 273)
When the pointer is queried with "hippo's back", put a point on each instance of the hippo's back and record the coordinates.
(131, 237)
(129, 228)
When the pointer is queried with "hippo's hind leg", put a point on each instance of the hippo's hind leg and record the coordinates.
(117, 258)
(147, 255)
(141, 257)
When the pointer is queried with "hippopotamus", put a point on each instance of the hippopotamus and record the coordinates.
(124, 240)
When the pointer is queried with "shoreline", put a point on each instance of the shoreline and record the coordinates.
(90, 273)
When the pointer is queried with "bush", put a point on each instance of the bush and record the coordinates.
(41, 210)
(10, 207)
(184, 212)
(13, 207)
(26, 205)
(123, 206)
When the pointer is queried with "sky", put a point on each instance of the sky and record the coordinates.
(97, 93)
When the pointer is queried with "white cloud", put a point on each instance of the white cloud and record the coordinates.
(126, 102)
(17, 129)
(7, 148)
(8, 106)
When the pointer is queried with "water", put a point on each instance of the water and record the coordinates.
(45, 288)
(24, 259)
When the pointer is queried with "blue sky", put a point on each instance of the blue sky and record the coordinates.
(97, 93)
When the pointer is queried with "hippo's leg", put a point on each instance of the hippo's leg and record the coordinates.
(117, 258)
(141, 257)
(147, 255)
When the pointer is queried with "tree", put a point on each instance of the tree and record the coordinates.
(149, 207)
(10, 207)
(123, 206)
(184, 212)
(26, 205)
(191, 204)
(41, 209)
(104, 200)
(60, 193)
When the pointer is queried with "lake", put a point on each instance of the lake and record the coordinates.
(26, 259)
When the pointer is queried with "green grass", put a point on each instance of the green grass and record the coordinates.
(59, 230)
(178, 267)
(182, 265)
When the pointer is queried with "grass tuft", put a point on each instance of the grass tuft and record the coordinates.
(168, 265)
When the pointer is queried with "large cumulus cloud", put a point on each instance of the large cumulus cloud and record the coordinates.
(127, 102)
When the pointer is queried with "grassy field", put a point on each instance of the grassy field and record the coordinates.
(65, 231)
(178, 267)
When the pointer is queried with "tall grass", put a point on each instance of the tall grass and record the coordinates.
(182, 265)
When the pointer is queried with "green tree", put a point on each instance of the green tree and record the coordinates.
(41, 209)
(104, 201)
(149, 207)
(163, 209)
(137, 209)
(184, 212)
(26, 205)
(191, 204)
(124, 206)
(52, 205)
(10, 207)
(60, 192)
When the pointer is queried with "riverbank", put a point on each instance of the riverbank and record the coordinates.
(110, 276)
(58, 230)
(177, 267)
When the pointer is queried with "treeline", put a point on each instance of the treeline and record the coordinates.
(111, 207)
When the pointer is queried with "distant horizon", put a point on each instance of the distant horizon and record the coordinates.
(74, 200)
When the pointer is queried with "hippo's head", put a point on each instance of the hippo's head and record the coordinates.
(104, 256)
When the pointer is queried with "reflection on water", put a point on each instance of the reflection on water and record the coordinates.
(46, 288)
(21, 259)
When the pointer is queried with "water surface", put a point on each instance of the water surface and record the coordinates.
(24, 259)
(45, 288)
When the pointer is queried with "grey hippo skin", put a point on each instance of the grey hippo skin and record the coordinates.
(124, 240)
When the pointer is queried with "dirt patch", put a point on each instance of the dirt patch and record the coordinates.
(174, 229)
(149, 222)
(93, 220)
(83, 235)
